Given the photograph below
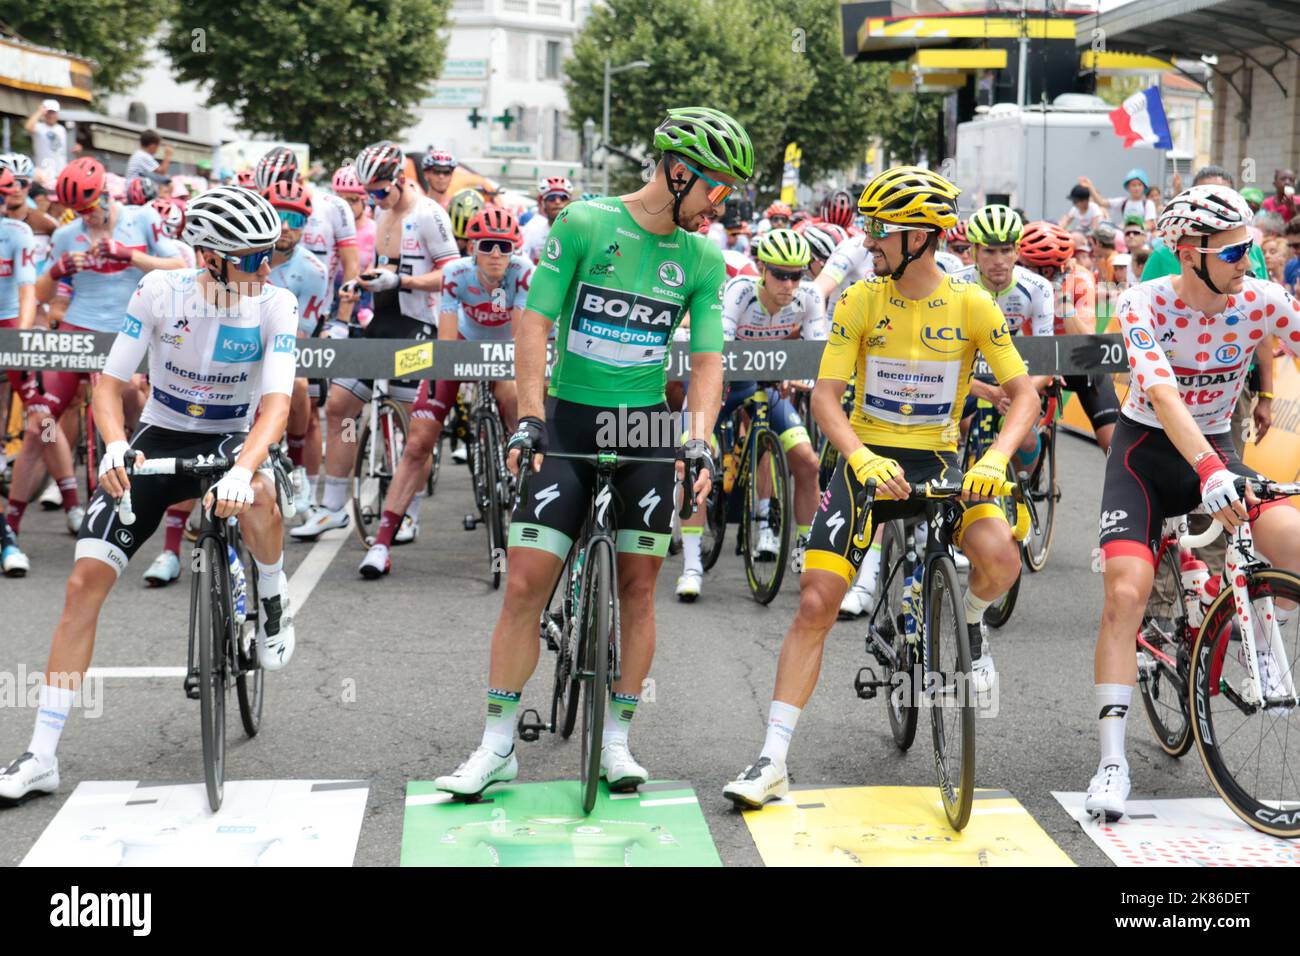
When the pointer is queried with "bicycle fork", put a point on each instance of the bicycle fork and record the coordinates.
(1253, 689)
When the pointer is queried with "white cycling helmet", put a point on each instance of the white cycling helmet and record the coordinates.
(382, 161)
(554, 184)
(820, 241)
(18, 164)
(231, 219)
(1202, 211)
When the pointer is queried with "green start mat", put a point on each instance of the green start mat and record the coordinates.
(542, 824)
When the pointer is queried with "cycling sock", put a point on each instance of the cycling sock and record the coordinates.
(764, 508)
(68, 489)
(389, 522)
(297, 448)
(174, 528)
(781, 718)
(14, 514)
(55, 705)
(336, 493)
(1112, 704)
(1026, 458)
(975, 607)
(618, 718)
(413, 509)
(870, 567)
(499, 732)
(691, 541)
(269, 577)
(312, 482)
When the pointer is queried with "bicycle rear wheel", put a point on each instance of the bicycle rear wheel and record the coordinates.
(1249, 753)
(1043, 492)
(567, 688)
(1164, 689)
(598, 630)
(949, 692)
(210, 607)
(375, 466)
(489, 444)
(765, 573)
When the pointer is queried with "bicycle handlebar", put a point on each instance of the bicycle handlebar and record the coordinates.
(1264, 490)
(203, 466)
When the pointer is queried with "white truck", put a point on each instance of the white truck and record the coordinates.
(1031, 157)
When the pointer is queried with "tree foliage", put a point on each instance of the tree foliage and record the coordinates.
(336, 74)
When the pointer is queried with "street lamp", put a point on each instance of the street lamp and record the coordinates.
(604, 130)
(588, 148)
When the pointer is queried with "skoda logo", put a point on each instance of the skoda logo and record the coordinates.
(670, 274)
(552, 248)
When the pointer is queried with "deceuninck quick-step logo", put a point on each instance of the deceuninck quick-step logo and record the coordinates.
(236, 344)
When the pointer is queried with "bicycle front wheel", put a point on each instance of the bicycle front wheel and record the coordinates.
(378, 452)
(949, 692)
(902, 696)
(1248, 750)
(767, 538)
(1164, 688)
(489, 445)
(1043, 492)
(210, 604)
(249, 684)
(598, 632)
(999, 612)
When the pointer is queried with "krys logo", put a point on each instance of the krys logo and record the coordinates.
(238, 344)
(944, 338)
(1228, 353)
(671, 275)
(1141, 339)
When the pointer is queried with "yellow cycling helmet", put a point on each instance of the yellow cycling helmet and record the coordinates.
(464, 206)
(910, 196)
(785, 249)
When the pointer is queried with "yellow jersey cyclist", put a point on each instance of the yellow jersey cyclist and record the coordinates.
(911, 335)
(616, 277)
(779, 303)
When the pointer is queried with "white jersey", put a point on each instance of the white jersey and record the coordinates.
(535, 232)
(744, 318)
(427, 245)
(850, 262)
(1028, 302)
(949, 262)
(186, 252)
(330, 227)
(208, 367)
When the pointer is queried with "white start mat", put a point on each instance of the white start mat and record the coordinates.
(1199, 831)
(261, 823)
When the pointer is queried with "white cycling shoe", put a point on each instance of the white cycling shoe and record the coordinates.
(483, 768)
(959, 559)
(376, 563)
(29, 776)
(460, 454)
(13, 562)
(857, 602)
(302, 491)
(688, 585)
(408, 532)
(768, 544)
(74, 517)
(165, 569)
(1107, 792)
(619, 767)
(318, 521)
(275, 636)
(757, 784)
(51, 498)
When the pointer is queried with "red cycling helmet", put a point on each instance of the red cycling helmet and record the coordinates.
(140, 191)
(8, 182)
(290, 195)
(494, 223)
(172, 214)
(839, 208)
(245, 178)
(81, 183)
(957, 233)
(778, 209)
(345, 182)
(1044, 243)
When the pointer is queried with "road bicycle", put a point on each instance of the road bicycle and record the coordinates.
(494, 486)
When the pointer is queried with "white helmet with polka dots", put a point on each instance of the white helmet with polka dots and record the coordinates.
(1203, 211)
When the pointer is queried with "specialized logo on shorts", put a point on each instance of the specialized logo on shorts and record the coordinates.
(1141, 339)
(649, 502)
(236, 344)
(1228, 353)
(671, 275)
(544, 498)
(553, 248)
(93, 512)
(835, 522)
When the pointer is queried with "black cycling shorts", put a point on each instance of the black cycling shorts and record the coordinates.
(389, 323)
(560, 495)
(1097, 395)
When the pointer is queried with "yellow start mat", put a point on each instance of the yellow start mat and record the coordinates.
(897, 826)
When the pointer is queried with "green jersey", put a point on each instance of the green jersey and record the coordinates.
(619, 293)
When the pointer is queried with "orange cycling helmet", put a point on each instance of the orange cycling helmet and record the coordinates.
(289, 195)
(778, 209)
(1045, 243)
(494, 223)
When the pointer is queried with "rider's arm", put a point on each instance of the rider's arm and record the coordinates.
(1020, 417)
(707, 337)
(836, 268)
(278, 371)
(448, 322)
(531, 333)
(124, 358)
(990, 334)
(839, 361)
(27, 306)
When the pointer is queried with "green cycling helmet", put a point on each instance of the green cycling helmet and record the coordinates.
(994, 226)
(1253, 194)
(785, 249)
(464, 206)
(712, 139)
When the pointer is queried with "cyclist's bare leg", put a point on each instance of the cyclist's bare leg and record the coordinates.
(341, 408)
(262, 525)
(820, 595)
(1128, 585)
(508, 402)
(1277, 537)
(313, 451)
(413, 469)
(1103, 437)
(299, 410)
(807, 492)
(994, 557)
(74, 636)
(637, 574)
(515, 643)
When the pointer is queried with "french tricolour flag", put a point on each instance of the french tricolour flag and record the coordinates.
(1141, 119)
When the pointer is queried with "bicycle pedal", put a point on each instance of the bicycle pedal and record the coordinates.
(470, 522)
(530, 730)
(192, 685)
(866, 687)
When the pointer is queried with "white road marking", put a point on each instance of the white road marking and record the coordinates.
(134, 672)
(669, 801)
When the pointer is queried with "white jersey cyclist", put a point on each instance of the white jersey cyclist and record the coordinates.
(535, 231)
(207, 368)
(427, 244)
(745, 319)
(1206, 358)
(949, 262)
(1027, 303)
(330, 227)
(850, 262)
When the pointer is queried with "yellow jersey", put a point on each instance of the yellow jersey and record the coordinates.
(914, 359)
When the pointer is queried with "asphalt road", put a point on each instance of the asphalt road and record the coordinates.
(389, 678)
